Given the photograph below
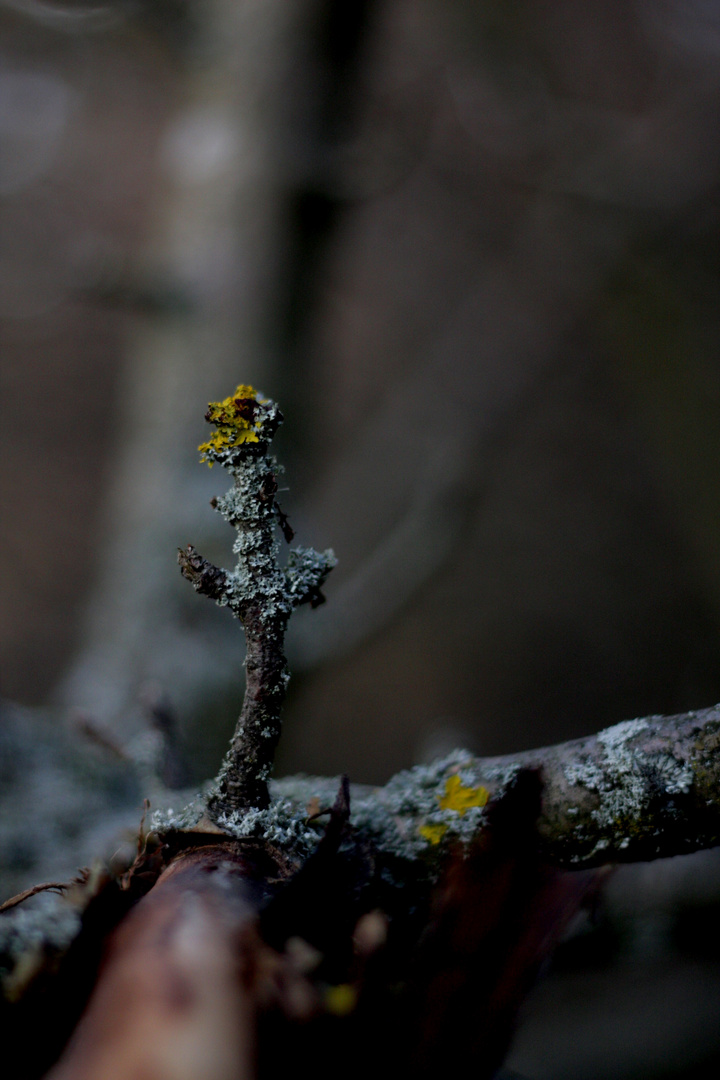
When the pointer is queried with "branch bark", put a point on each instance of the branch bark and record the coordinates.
(172, 1000)
(182, 986)
(643, 789)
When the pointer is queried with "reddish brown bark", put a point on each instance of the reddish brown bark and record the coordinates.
(172, 1000)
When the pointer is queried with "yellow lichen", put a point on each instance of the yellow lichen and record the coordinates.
(460, 798)
(341, 1000)
(433, 833)
(239, 419)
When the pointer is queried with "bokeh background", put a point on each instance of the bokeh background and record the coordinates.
(472, 248)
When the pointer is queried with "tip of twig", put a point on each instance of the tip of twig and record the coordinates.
(341, 806)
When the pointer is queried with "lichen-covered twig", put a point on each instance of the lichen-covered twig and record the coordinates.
(643, 789)
(259, 591)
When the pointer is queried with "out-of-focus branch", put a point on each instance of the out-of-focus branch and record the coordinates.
(173, 1000)
(45, 886)
(189, 971)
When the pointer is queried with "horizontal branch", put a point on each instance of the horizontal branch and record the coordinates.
(640, 790)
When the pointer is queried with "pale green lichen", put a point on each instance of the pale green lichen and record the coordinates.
(184, 815)
(626, 783)
(283, 823)
(407, 815)
(249, 506)
(279, 824)
(306, 571)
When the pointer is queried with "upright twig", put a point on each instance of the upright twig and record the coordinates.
(259, 592)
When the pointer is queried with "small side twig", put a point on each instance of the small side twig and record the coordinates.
(202, 575)
(46, 886)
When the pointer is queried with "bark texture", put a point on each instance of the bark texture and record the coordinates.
(171, 1001)
(643, 789)
(237, 964)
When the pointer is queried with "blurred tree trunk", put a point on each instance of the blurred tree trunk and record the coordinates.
(215, 296)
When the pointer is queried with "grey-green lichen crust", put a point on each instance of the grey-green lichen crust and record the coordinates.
(391, 818)
(258, 575)
(283, 823)
(640, 790)
(405, 818)
(628, 777)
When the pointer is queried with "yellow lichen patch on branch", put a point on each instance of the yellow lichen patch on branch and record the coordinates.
(433, 833)
(239, 419)
(341, 1000)
(460, 798)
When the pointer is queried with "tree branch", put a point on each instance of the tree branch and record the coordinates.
(172, 1001)
(643, 789)
(45, 886)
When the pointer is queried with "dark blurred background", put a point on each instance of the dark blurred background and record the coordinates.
(472, 250)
